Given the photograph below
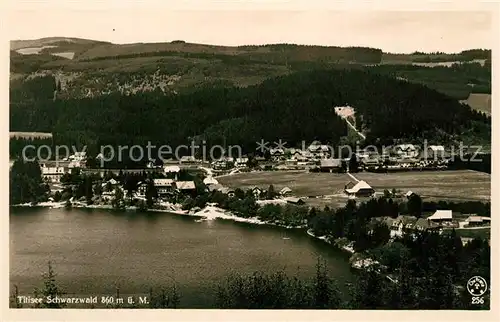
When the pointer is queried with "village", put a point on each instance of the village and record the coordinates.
(172, 185)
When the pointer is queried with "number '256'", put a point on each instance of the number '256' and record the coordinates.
(477, 300)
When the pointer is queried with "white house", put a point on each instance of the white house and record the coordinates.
(241, 162)
(53, 174)
(163, 186)
(406, 150)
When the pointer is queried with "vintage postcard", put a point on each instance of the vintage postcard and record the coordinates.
(265, 158)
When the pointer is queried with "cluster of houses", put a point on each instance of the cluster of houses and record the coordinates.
(167, 187)
(318, 157)
(405, 156)
(437, 221)
(226, 163)
(164, 187)
(52, 171)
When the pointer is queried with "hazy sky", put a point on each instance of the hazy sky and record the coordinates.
(396, 31)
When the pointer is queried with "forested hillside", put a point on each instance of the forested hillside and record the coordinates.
(292, 108)
(99, 68)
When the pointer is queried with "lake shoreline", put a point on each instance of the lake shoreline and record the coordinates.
(212, 212)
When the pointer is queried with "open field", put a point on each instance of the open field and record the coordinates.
(302, 183)
(432, 185)
(449, 185)
(479, 102)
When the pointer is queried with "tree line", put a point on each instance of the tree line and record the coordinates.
(292, 108)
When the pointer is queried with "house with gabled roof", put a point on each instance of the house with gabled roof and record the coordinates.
(295, 200)
(163, 186)
(185, 185)
(477, 221)
(406, 150)
(360, 189)
(441, 216)
(285, 191)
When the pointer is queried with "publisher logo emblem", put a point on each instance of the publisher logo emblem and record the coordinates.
(477, 286)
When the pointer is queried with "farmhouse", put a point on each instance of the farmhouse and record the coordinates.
(163, 186)
(185, 186)
(295, 200)
(478, 221)
(285, 191)
(441, 216)
(329, 165)
(360, 189)
(406, 150)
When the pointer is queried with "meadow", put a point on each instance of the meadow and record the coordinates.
(326, 189)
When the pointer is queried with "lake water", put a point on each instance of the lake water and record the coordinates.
(95, 251)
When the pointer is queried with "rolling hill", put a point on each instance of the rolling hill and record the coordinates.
(99, 68)
(111, 93)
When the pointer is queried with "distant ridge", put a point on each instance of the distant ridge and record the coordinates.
(19, 44)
